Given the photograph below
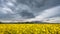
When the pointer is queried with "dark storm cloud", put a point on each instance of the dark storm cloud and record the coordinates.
(6, 16)
(26, 14)
(39, 5)
(32, 3)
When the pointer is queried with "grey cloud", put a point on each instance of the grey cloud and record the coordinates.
(26, 14)
(5, 16)
(32, 3)
(39, 5)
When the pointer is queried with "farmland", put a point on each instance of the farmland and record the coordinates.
(29, 28)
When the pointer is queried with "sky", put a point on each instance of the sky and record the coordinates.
(30, 10)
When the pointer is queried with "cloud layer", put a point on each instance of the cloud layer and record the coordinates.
(29, 9)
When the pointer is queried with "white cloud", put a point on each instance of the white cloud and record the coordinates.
(10, 4)
(6, 10)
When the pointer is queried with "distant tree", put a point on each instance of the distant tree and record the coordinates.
(0, 22)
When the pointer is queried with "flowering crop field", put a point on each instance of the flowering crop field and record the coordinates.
(29, 28)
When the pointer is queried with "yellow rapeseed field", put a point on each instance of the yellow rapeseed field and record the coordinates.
(29, 28)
